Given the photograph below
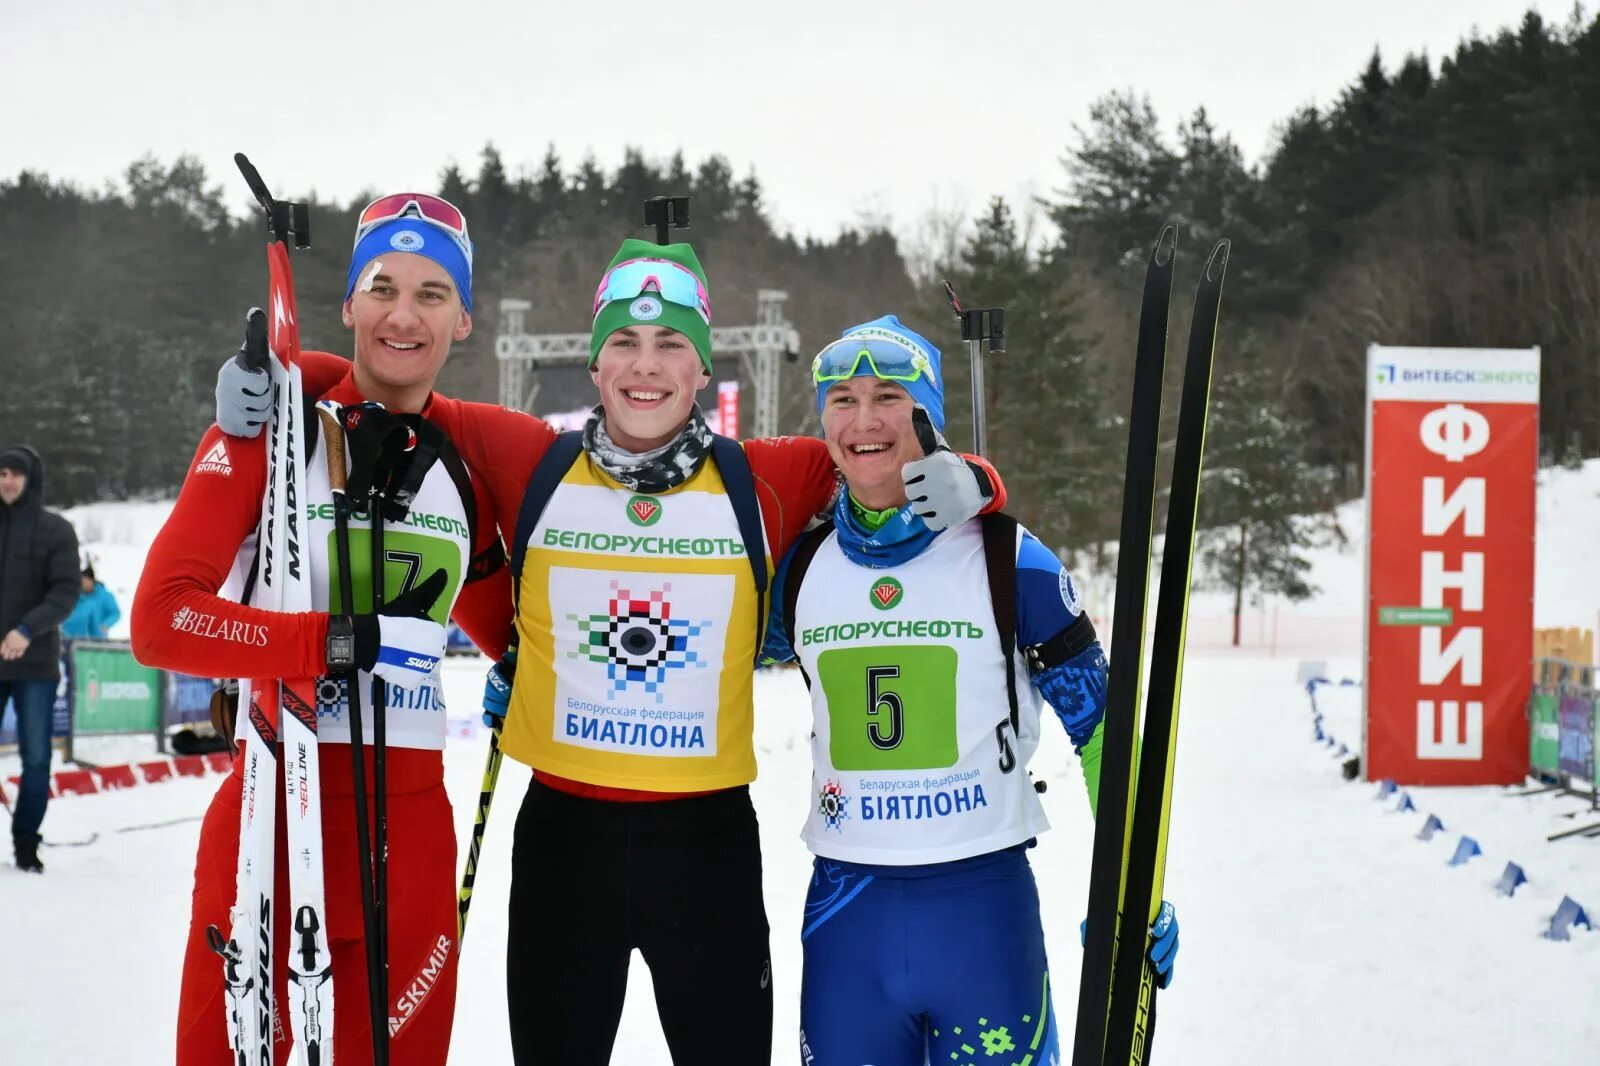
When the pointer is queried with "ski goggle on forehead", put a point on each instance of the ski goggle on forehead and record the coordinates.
(673, 282)
(888, 357)
(442, 213)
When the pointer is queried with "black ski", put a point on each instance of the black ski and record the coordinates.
(1130, 1022)
(1113, 807)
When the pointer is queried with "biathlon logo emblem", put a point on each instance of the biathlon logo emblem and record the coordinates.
(645, 309)
(833, 805)
(638, 641)
(644, 511)
(887, 593)
(407, 240)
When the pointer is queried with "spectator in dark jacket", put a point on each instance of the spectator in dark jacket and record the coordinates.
(96, 612)
(38, 588)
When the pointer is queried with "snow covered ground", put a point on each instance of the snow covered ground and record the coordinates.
(1316, 927)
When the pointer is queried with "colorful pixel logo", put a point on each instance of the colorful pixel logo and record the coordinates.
(638, 641)
(833, 805)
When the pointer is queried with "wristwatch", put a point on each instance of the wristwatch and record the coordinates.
(341, 644)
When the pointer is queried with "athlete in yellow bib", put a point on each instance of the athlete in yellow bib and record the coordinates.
(641, 560)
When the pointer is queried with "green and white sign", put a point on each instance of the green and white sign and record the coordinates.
(1415, 616)
(113, 693)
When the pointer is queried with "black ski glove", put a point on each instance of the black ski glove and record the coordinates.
(400, 643)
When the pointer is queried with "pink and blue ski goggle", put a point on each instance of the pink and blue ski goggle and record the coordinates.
(671, 281)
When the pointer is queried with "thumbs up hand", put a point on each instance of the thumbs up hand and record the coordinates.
(944, 489)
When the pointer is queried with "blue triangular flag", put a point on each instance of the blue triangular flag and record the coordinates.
(1466, 848)
(1386, 789)
(1430, 827)
(1510, 879)
(1405, 803)
(1569, 914)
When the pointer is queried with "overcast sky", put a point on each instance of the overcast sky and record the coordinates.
(867, 107)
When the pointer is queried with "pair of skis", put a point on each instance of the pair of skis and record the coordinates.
(284, 584)
(1117, 990)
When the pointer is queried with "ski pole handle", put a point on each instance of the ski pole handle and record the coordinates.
(333, 440)
(252, 178)
(284, 218)
(666, 213)
(253, 353)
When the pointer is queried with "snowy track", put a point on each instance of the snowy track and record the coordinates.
(1316, 928)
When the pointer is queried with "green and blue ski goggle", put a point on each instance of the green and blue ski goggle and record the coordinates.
(886, 356)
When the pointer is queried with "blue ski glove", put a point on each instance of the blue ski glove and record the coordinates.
(944, 489)
(1163, 942)
(497, 690)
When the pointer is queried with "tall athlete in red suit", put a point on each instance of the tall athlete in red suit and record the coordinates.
(405, 309)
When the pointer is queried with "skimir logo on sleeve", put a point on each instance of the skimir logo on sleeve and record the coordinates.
(887, 593)
(638, 641)
(644, 510)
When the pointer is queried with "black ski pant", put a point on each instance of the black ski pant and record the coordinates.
(680, 880)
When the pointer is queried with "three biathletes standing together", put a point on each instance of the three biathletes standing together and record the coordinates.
(631, 603)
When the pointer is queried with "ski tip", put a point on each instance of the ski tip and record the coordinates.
(1217, 265)
(1166, 245)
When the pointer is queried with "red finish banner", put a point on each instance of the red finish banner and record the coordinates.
(728, 408)
(1450, 505)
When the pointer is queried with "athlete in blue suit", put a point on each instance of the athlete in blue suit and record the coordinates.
(922, 939)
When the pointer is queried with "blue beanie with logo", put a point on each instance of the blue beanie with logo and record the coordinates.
(926, 390)
(419, 237)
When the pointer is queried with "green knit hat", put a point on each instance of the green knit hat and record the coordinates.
(648, 309)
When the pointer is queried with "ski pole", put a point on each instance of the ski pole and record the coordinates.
(469, 876)
(979, 324)
(333, 435)
(380, 786)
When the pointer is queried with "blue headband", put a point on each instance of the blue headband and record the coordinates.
(929, 392)
(421, 237)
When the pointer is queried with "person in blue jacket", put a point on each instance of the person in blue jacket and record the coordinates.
(922, 939)
(96, 611)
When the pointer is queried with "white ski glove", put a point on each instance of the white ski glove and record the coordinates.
(244, 394)
(944, 489)
(400, 643)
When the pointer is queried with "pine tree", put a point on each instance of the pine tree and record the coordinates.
(1048, 425)
(1257, 488)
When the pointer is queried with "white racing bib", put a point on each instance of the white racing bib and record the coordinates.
(913, 754)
